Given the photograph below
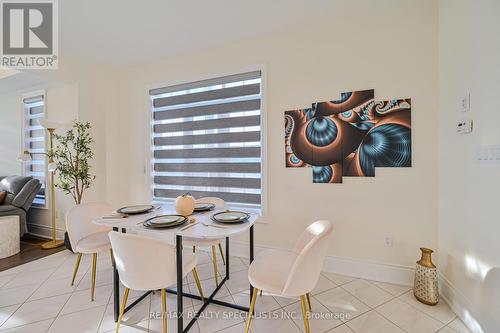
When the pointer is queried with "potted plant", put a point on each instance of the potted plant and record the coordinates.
(72, 155)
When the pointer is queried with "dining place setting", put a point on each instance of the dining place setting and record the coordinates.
(220, 219)
(205, 222)
(157, 219)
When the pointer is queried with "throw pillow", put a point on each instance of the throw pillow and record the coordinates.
(3, 194)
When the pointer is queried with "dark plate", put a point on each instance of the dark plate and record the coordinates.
(230, 217)
(203, 207)
(232, 222)
(154, 223)
(137, 209)
(166, 219)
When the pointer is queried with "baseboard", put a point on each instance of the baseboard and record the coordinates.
(44, 231)
(458, 303)
(397, 274)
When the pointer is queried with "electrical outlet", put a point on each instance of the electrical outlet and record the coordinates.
(464, 126)
(388, 241)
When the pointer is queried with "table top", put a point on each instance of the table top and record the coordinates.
(204, 227)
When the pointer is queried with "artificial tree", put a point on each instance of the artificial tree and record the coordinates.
(73, 154)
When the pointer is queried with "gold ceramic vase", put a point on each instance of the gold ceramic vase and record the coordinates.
(426, 282)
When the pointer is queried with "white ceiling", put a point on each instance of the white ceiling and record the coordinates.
(127, 32)
(20, 82)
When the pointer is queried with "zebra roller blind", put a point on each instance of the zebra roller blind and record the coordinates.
(34, 141)
(206, 139)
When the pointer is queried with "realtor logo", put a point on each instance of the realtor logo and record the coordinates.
(29, 34)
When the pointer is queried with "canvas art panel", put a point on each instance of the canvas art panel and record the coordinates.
(349, 137)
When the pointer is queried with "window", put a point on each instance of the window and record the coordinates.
(34, 142)
(206, 139)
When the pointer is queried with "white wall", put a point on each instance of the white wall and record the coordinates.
(11, 120)
(392, 49)
(89, 98)
(95, 102)
(469, 219)
(61, 105)
(75, 91)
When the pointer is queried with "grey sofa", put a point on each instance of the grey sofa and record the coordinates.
(21, 192)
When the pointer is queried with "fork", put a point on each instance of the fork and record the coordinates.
(214, 225)
(189, 226)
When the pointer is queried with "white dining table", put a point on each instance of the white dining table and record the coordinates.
(201, 226)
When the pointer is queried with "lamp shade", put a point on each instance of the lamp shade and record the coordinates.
(24, 156)
(52, 166)
(49, 124)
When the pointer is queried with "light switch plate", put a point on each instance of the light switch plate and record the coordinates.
(465, 103)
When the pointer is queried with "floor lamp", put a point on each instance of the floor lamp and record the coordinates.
(50, 126)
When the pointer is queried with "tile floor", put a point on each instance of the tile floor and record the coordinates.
(37, 297)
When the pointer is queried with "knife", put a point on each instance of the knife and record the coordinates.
(188, 226)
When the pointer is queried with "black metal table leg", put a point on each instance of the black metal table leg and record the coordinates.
(251, 259)
(116, 289)
(137, 301)
(116, 286)
(179, 291)
(180, 322)
(227, 257)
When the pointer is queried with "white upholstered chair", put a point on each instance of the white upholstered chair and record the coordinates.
(292, 273)
(145, 264)
(86, 237)
(194, 242)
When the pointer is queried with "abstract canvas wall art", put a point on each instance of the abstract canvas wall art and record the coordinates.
(349, 137)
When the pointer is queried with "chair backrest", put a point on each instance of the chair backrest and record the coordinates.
(79, 220)
(218, 202)
(143, 263)
(311, 251)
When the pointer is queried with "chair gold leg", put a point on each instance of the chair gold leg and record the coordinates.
(222, 254)
(308, 296)
(198, 284)
(164, 309)
(94, 264)
(122, 310)
(76, 268)
(214, 255)
(261, 292)
(250, 311)
(304, 313)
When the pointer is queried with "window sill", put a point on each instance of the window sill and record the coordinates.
(40, 207)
